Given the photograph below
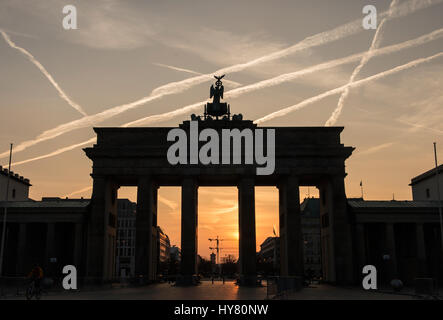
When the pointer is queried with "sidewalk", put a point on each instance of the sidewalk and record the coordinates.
(329, 292)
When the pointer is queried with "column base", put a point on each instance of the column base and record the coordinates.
(289, 283)
(247, 281)
(141, 280)
(187, 280)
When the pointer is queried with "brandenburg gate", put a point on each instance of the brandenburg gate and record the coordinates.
(304, 156)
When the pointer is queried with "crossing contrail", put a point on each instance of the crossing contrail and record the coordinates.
(281, 112)
(318, 39)
(358, 83)
(364, 60)
(180, 86)
(61, 129)
(289, 76)
(234, 84)
(57, 152)
(31, 58)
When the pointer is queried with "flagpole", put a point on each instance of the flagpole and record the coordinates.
(438, 194)
(361, 187)
(5, 214)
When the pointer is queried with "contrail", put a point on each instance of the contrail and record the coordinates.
(31, 58)
(180, 86)
(78, 191)
(284, 111)
(322, 38)
(230, 82)
(288, 77)
(358, 83)
(375, 149)
(172, 205)
(177, 68)
(57, 152)
(364, 60)
(59, 130)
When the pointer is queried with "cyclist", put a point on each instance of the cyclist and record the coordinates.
(36, 276)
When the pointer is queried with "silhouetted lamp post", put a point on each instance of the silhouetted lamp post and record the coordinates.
(438, 194)
(5, 213)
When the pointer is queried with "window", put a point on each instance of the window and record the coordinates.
(428, 193)
(13, 193)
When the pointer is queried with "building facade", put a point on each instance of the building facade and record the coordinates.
(424, 186)
(270, 251)
(174, 253)
(125, 253)
(18, 186)
(126, 235)
(310, 220)
(402, 239)
(164, 246)
(50, 233)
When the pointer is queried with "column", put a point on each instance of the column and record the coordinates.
(340, 227)
(78, 245)
(50, 249)
(188, 266)
(291, 237)
(327, 243)
(21, 251)
(390, 250)
(360, 246)
(146, 209)
(247, 240)
(97, 230)
(421, 251)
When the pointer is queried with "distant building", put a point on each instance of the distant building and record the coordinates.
(424, 186)
(174, 253)
(126, 233)
(270, 251)
(164, 246)
(310, 220)
(230, 258)
(18, 186)
(125, 248)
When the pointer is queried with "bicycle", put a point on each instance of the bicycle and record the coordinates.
(33, 290)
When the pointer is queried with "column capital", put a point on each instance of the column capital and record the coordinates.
(148, 179)
(284, 180)
(246, 182)
(96, 176)
(189, 180)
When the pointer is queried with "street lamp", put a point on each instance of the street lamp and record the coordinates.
(5, 214)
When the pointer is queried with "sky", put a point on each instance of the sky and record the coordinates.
(123, 50)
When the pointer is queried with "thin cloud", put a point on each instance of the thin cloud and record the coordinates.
(180, 86)
(31, 58)
(263, 84)
(358, 83)
(234, 84)
(376, 40)
(375, 149)
(287, 110)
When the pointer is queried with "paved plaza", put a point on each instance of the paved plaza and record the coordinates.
(219, 291)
